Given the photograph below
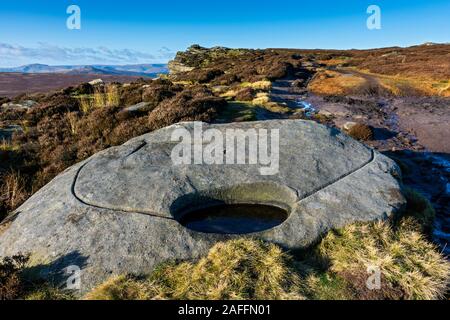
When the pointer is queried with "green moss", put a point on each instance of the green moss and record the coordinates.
(327, 286)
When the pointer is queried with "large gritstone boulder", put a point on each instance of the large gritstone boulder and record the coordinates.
(173, 193)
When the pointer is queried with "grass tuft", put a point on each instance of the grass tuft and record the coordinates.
(72, 121)
(107, 96)
(406, 259)
(238, 269)
(112, 95)
(264, 85)
(12, 191)
(8, 146)
(262, 98)
(121, 288)
(48, 292)
(85, 103)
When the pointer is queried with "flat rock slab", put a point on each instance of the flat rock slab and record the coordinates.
(118, 211)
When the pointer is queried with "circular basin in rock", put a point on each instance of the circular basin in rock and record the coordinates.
(129, 208)
(233, 218)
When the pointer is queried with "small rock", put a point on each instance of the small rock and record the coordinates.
(140, 107)
(96, 82)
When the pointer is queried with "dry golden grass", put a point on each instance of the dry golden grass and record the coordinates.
(99, 98)
(411, 267)
(103, 97)
(7, 145)
(407, 85)
(334, 83)
(48, 293)
(401, 86)
(85, 103)
(238, 269)
(406, 259)
(121, 288)
(231, 94)
(72, 120)
(25, 124)
(262, 98)
(235, 93)
(277, 108)
(184, 82)
(354, 81)
(12, 189)
(112, 95)
(445, 89)
(264, 85)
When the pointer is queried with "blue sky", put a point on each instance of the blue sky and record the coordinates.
(132, 31)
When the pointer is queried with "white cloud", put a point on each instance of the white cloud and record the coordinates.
(14, 55)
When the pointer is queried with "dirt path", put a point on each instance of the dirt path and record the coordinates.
(292, 94)
(283, 91)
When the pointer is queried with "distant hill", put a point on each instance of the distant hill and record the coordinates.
(144, 70)
(16, 83)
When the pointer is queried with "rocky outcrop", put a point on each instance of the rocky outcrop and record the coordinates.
(196, 56)
(176, 67)
(119, 211)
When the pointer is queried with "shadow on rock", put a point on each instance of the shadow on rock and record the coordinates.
(57, 272)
